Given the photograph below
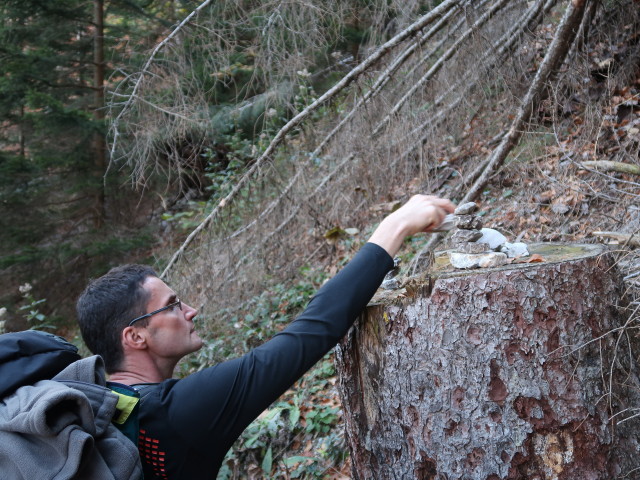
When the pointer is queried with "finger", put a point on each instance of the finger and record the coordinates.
(444, 203)
(439, 214)
(440, 202)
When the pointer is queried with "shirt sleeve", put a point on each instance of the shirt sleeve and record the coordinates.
(219, 402)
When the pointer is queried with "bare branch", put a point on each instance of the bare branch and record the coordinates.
(487, 62)
(145, 69)
(610, 166)
(387, 75)
(439, 63)
(632, 240)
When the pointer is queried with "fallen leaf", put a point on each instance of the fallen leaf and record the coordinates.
(333, 233)
(535, 258)
(546, 196)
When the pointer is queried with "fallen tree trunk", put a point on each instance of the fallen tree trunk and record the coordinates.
(500, 373)
(558, 50)
(435, 68)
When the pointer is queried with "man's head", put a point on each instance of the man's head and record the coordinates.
(106, 307)
(135, 321)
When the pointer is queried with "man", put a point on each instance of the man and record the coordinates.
(139, 326)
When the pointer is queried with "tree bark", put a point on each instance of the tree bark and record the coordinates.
(500, 373)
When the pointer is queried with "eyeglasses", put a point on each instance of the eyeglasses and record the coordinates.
(147, 315)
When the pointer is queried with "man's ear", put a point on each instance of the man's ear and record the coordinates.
(134, 338)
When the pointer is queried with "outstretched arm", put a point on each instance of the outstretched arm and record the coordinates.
(234, 393)
(421, 213)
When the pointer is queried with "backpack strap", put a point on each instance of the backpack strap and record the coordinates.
(126, 417)
(125, 406)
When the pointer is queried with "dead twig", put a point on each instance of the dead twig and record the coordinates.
(631, 240)
(529, 20)
(386, 76)
(115, 125)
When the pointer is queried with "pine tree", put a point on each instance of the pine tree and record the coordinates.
(59, 214)
(45, 97)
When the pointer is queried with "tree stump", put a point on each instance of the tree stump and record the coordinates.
(499, 373)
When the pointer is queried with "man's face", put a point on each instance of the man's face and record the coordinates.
(172, 333)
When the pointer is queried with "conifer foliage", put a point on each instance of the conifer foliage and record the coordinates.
(61, 218)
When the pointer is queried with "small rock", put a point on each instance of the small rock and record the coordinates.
(560, 208)
(465, 236)
(447, 224)
(468, 222)
(492, 237)
(481, 260)
(493, 259)
(584, 208)
(390, 281)
(466, 208)
(473, 247)
(463, 260)
(513, 250)
(390, 284)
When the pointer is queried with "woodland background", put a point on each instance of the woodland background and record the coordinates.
(246, 149)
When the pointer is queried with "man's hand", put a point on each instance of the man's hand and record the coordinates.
(421, 213)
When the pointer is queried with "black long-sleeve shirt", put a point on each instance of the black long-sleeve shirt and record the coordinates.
(188, 425)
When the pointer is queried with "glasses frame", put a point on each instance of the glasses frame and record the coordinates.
(147, 315)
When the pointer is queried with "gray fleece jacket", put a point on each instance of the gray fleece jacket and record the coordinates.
(62, 429)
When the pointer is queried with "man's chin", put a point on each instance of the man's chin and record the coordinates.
(198, 342)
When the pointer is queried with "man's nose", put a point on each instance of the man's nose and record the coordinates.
(190, 312)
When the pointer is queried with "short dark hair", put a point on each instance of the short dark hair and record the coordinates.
(106, 307)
